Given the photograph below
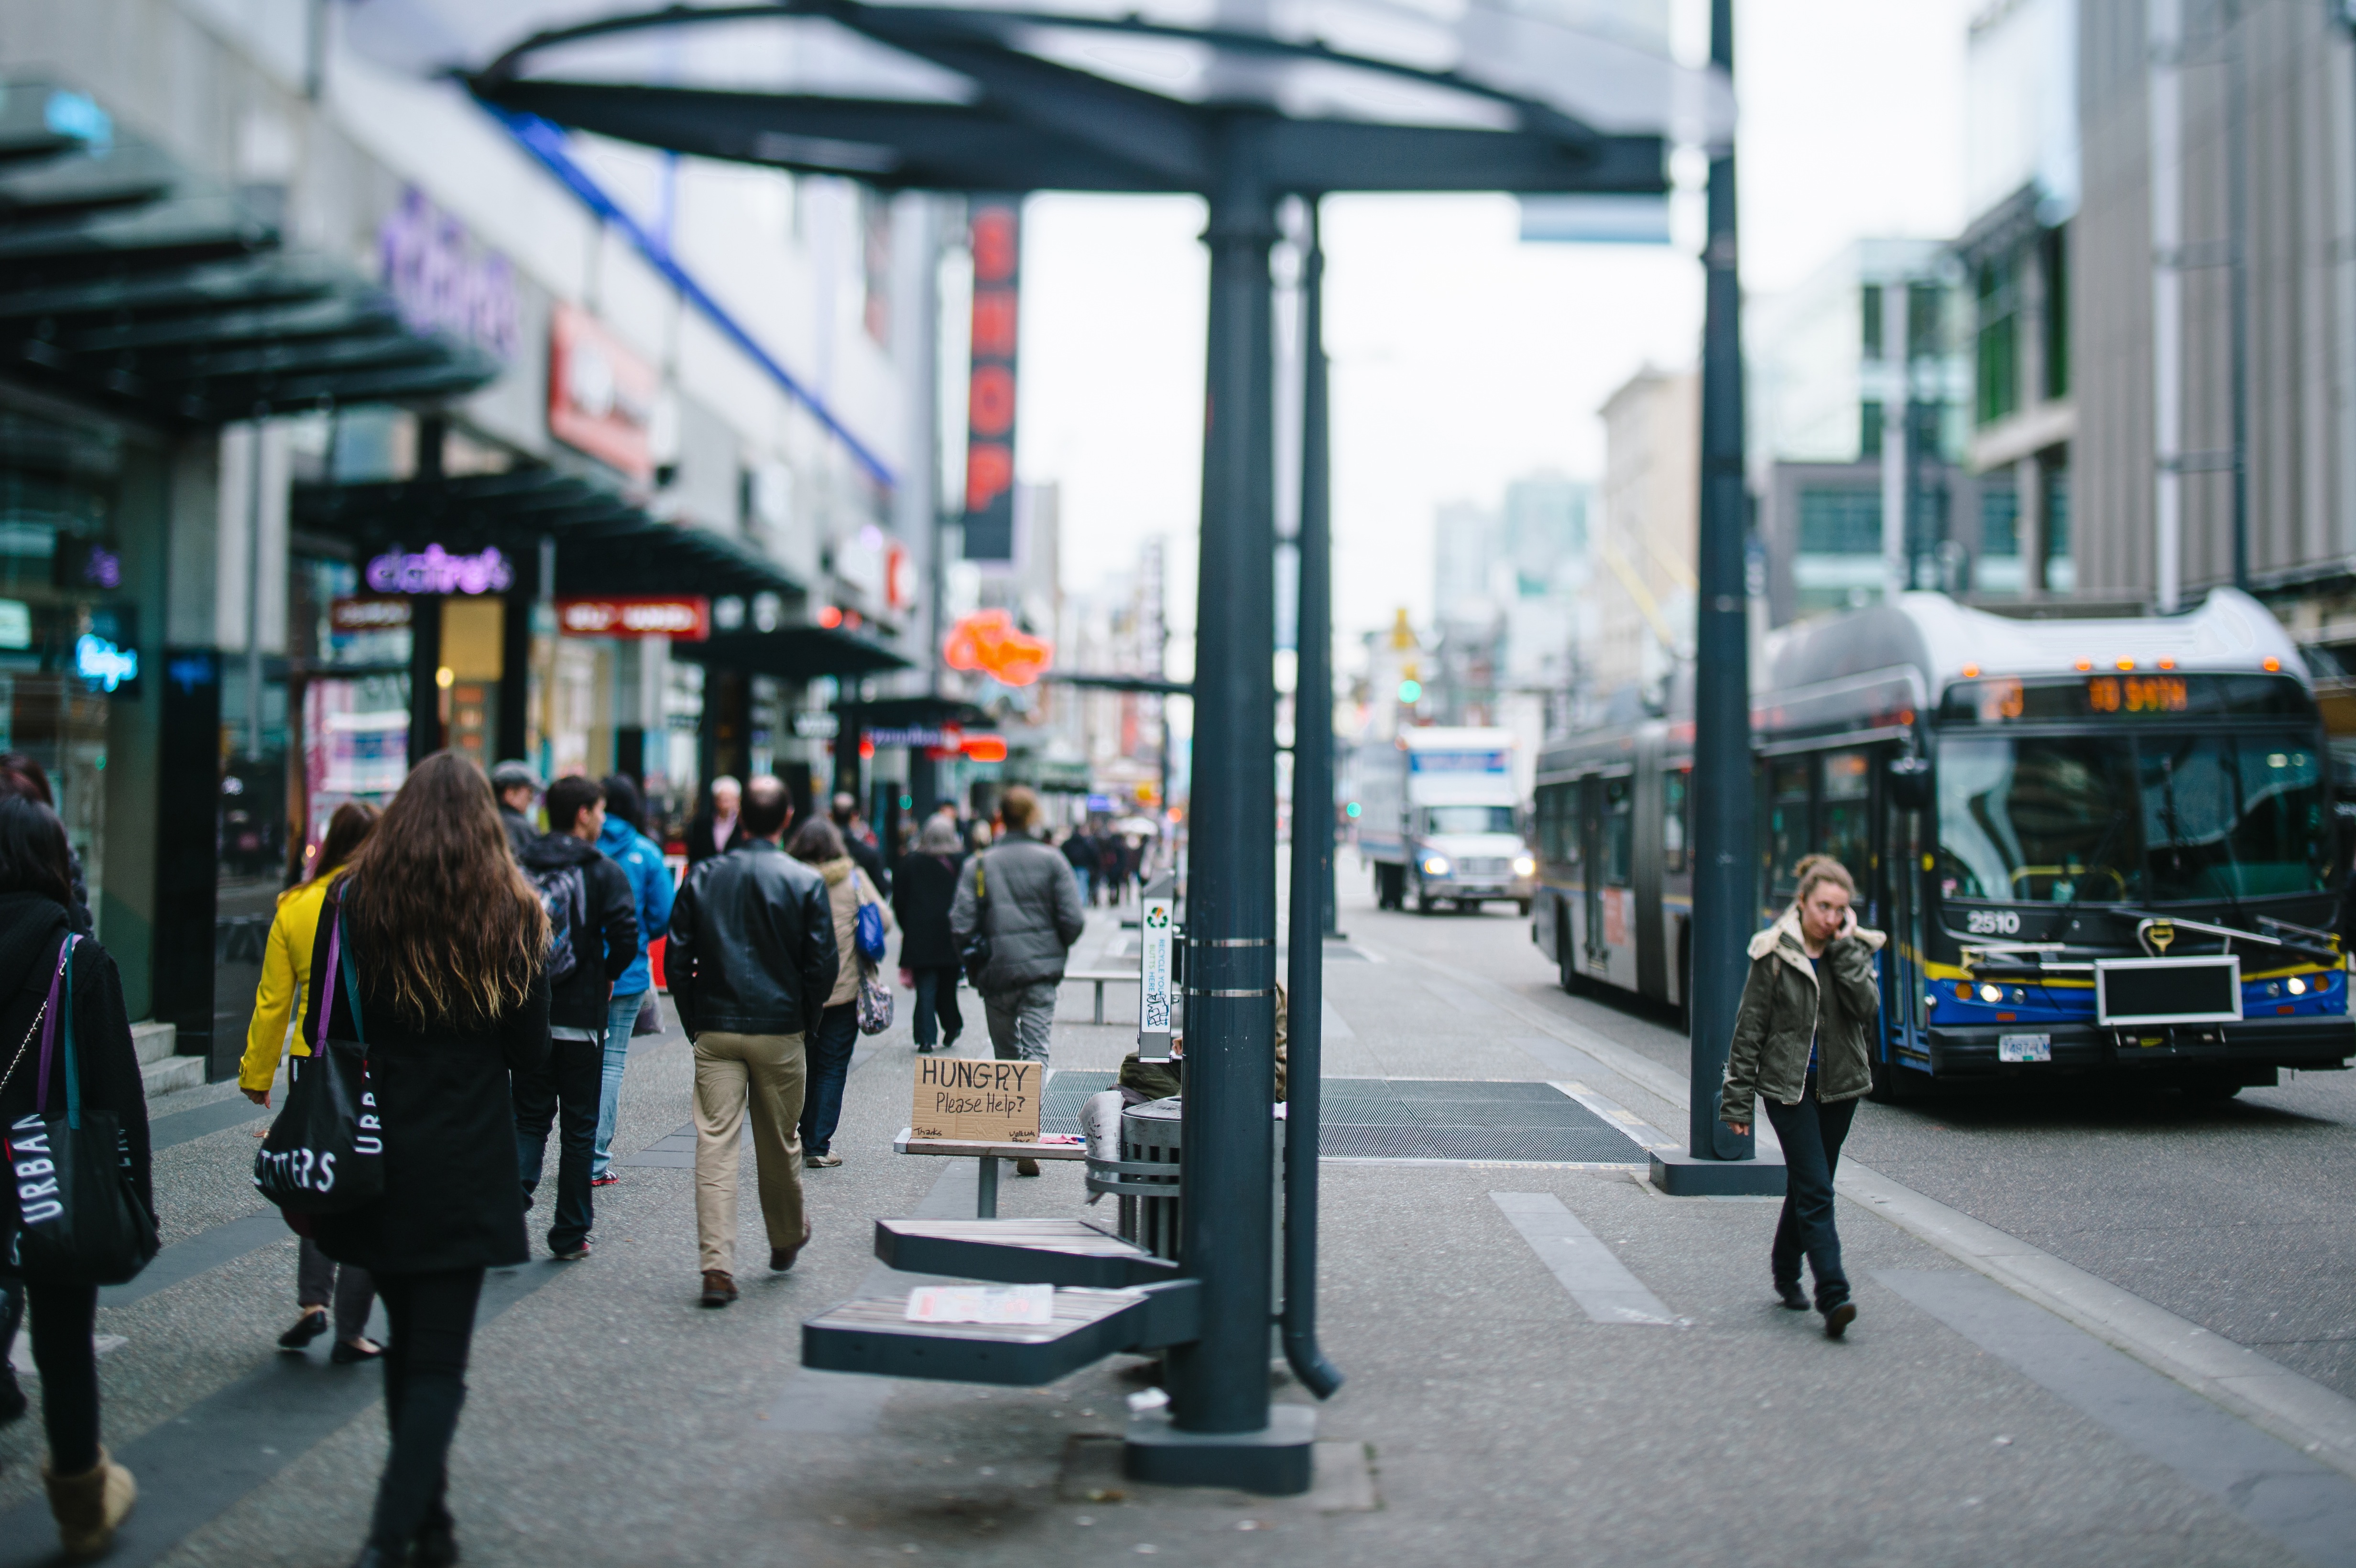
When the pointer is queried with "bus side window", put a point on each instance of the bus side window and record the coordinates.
(1672, 819)
(1618, 838)
(1787, 825)
(1558, 832)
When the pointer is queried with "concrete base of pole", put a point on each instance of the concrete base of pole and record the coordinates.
(1680, 1175)
(1275, 1461)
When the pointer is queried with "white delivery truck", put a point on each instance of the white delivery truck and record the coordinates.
(1436, 818)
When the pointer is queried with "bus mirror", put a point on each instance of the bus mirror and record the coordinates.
(1910, 784)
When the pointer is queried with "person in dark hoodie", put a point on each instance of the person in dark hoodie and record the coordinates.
(89, 1493)
(593, 941)
(20, 775)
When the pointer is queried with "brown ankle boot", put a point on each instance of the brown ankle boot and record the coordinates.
(90, 1506)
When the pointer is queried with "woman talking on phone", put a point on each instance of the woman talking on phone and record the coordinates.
(1802, 1041)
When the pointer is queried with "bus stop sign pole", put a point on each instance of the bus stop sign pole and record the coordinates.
(1716, 1160)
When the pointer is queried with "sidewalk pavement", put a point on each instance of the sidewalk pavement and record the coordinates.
(1546, 1363)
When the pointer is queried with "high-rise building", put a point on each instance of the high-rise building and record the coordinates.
(1636, 619)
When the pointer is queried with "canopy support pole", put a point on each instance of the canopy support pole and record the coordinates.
(1220, 1429)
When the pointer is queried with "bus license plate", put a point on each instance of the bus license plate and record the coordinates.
(2024, 1048)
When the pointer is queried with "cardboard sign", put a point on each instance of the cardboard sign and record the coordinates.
(977, 1102)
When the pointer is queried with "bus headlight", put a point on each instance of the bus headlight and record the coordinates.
(1525, 866)
(1435, 864)
(2295, 986)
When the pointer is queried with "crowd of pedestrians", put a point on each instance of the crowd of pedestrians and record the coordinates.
(484, 941)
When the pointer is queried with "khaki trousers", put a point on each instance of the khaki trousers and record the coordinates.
(729, 1069)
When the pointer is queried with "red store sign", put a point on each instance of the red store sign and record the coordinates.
(681, 617)
(601, 395)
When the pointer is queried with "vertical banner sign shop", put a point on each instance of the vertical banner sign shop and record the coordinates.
(1153, 971)
(997, 238)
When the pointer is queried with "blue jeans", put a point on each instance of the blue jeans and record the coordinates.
(621, 1014)
(827, 1051)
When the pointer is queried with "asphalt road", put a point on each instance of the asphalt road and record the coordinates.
(2240, 1216)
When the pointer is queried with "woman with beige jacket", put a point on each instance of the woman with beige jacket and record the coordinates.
(827, 1046)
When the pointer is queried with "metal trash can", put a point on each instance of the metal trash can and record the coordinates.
(1146, 1179)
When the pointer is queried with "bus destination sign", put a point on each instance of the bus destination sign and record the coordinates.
(2012, 699)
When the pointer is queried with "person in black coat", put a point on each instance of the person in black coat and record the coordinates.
(445, 941)
(923, 888)
(89, 1493)
(596, 914)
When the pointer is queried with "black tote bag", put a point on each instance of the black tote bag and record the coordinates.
(79, 1218)
(325, 1153)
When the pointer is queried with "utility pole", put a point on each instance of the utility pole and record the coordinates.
(1716, 1159)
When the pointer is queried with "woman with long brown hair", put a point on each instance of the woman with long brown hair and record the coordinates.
(442, 942)
(286, 981)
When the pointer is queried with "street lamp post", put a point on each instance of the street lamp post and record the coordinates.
(1717, 1160)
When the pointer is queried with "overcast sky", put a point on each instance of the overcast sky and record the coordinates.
(1463, 358)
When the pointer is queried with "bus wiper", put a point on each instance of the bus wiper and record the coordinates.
(2147, 920)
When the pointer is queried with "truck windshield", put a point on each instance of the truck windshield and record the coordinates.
(1468, 819)
(2163, 818)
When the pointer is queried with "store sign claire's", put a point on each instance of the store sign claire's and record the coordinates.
(436, 571)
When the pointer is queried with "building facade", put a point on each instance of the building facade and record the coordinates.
(527, 444)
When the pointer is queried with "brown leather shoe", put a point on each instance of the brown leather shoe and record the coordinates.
(719, 1289)
(1026, 1167)
(782, 1258)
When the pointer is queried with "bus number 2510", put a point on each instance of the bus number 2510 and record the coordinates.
(1992, 921)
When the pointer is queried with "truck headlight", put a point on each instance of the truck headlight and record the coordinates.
(1435, 864)
(1525, 866)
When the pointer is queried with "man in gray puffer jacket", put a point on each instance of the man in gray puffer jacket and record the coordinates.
(1022, 895)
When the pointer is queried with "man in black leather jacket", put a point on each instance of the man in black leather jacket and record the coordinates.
(751, 960)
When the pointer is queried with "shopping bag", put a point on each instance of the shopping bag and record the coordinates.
(875, 1002)
(869, 932)
(81, 1221)
(325, 1153)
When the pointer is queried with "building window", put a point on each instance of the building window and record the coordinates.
(1997, 367)
(1872, 324)
(1999, 520)
(1840, 522)
(1926, 325)
(2054, 246)
(2060, 568)
(1868, 432)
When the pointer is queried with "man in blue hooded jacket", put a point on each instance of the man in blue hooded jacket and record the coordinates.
(641, 861)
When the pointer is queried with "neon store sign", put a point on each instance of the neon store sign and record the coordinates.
(436, 571)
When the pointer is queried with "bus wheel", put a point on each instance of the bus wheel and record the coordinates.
(2209, 1091)
(1523, 905)
(1895, 1085)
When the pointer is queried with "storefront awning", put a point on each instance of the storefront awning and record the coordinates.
(915, 713)
(605, 543)
(130, 281)
(796, 653)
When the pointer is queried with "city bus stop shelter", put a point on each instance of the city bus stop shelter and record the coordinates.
(1243, 103)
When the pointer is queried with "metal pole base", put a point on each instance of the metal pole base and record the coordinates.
(1680, 1175)
(1274, 1462)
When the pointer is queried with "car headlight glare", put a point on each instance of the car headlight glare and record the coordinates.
(1525, 866)
(1435, 866)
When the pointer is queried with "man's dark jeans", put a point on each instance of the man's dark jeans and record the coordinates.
(826, 1056)
(937, 1020)
(1812, 1134)
(570, 1084)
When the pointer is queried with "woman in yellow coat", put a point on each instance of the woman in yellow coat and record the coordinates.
(277, 1003)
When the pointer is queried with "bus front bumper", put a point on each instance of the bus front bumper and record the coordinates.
(2319, 1043)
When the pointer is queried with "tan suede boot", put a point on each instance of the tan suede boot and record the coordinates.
(88, 1507)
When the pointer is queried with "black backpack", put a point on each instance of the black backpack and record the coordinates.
(564, 893)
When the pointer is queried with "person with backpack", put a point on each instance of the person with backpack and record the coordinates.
(432, 951)
(51, 976)
(623, 842)
(818, 844)
(286, 981)
(592, 940)
(1021, 895)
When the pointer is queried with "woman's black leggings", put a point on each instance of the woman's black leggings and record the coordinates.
(433, 1319)
(63, 1316)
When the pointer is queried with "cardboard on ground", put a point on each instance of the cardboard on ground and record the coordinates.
(976, 1101)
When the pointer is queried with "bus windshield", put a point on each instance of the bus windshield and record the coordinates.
(2155, 817)
(1468, 819)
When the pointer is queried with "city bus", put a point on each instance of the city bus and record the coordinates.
(2099, 845)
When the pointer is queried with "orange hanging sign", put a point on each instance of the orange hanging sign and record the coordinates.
(988, 642)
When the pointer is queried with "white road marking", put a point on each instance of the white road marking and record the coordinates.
(1591, 1271)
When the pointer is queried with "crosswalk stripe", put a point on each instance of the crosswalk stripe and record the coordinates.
(1591, 1271)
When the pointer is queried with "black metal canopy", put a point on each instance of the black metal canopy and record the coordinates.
(130, 281)
(1357, 96)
